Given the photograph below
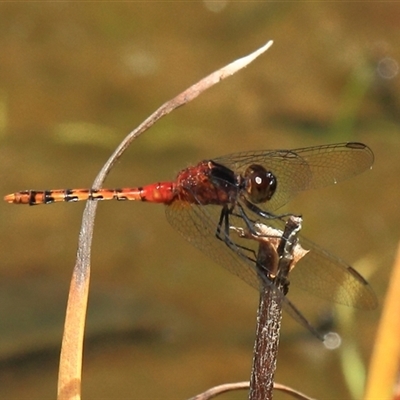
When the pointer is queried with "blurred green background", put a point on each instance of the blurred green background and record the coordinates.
(164, 321)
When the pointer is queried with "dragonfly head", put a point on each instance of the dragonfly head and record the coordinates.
(260, 184)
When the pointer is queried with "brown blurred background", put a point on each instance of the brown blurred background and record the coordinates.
(163, 320)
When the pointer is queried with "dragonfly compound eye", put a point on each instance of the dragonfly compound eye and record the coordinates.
(260, 183)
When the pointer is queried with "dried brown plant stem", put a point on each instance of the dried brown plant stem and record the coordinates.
(266, 345)
(69, 378)
(276, 259)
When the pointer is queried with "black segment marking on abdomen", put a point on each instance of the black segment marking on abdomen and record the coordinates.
(32, 198)
(47, 197)
(117, 195)
(69, 196)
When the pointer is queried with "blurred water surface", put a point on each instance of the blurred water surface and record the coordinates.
(164, 321)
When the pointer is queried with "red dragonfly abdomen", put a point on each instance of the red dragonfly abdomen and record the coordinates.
(161, 192)
(193, 185)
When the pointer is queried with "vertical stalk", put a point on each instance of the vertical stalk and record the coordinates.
(266, 345)
(274, 262)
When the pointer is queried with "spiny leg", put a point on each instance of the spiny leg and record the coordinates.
(225, 236)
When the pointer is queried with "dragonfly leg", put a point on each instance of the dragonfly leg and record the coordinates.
(225, 236)
(223, 233)
(264, 214)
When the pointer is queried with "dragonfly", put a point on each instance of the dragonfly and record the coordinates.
(210, 201)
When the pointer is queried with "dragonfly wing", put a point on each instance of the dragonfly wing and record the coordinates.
(328, 277)
(198, 225)
(292, 172)
(334, 163)
(304, 168)
(292, 310)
